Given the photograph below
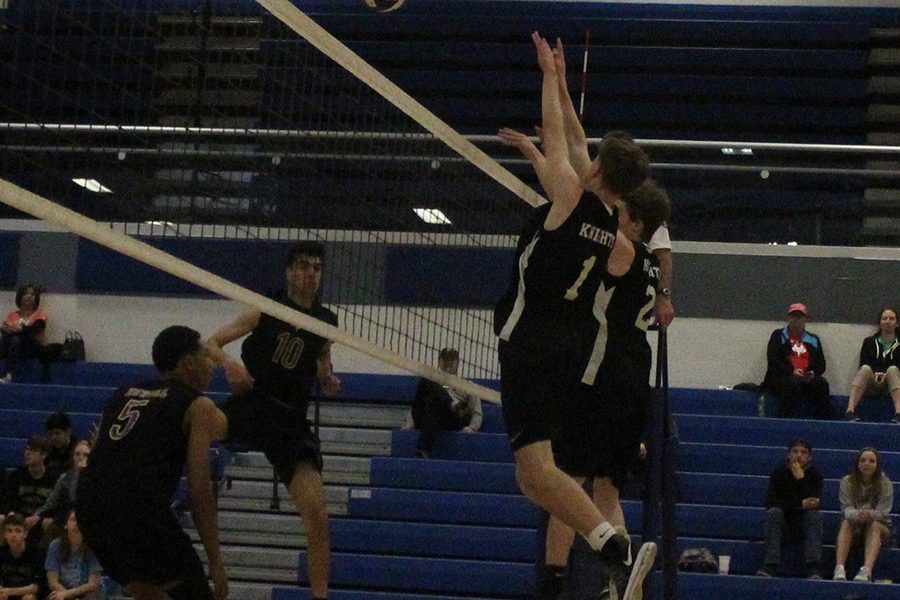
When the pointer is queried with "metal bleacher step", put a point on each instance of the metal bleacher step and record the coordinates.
(246, 590)
(241, 528)
(256, 496)
(248, 557)
(350, 470)
(374, 416)
(261, 574)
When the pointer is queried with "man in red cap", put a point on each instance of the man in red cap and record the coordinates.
(796, 362)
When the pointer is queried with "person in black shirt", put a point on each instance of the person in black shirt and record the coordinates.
(436, 408)
(879, 366)
(604, 420)
(58, 429)
(149, 434)
(21, 565)
(29, 486)
(559, 260)
(271, 392)
(792, 510)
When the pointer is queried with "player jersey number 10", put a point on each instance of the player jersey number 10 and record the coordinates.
(287, 353)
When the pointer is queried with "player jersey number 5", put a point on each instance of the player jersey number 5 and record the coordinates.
(127, 419)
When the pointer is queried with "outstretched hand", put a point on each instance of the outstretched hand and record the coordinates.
(559, 58)
(545, 56)
(511, 137)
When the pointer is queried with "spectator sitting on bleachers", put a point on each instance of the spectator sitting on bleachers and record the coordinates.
(879, 366)
(54, 512)
(28, 487)
(436, 408)
(21, 566)
(23, 330)
(58, 429)
(867, 497)
(72, 569)
(796, 362)
(792, 510)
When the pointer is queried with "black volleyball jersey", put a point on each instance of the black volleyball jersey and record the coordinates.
(554, 278)
(622, 310)
(141, 447)
(283, 359)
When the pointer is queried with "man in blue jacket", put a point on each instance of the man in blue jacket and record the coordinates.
(796, 363)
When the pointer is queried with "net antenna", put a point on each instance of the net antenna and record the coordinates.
(584, 70)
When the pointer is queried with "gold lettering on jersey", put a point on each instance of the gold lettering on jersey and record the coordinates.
(598, 235)
(150, 394)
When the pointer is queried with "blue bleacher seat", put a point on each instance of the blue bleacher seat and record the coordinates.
(453, 540)
(760, 460)
(493, 447)
(778, 432)
(498, 579)
(443, 475)
(12, 450)
(443, 507)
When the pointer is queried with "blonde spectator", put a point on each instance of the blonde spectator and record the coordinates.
(867, 496)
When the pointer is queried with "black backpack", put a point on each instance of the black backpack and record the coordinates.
(698, 560)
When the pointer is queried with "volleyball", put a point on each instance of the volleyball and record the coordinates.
(384, 5)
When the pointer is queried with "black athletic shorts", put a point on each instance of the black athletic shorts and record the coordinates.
(140, 546)
(280, 431)
(532, 390)
(602, 426)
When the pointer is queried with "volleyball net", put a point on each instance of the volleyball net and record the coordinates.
(229, 126)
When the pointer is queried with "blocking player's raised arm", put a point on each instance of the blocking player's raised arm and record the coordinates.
(516, 139)
(576, 140)
(206, 424)
(561, 182)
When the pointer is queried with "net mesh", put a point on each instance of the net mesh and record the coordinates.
(211, 120)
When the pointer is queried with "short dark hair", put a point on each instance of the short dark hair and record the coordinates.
(448, 354)
(803, 442)
(21, 292)
(39, 443)
(304, 248)
(623, 165)
(649, 203)
(57, 420)
(14, 519)
(171, 344)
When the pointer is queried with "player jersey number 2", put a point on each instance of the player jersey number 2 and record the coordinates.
(587, 265)
(643, 318)
(127, 419)
(287, 353)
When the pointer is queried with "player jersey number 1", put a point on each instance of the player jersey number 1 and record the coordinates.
(287, 353)
(587, 265)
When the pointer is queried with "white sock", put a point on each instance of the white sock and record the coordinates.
(600, 535)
